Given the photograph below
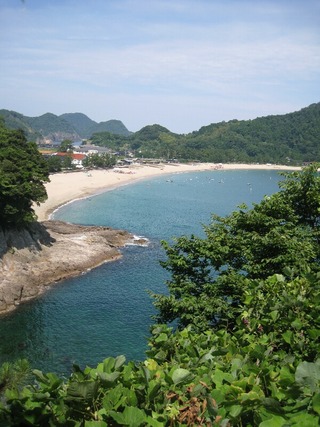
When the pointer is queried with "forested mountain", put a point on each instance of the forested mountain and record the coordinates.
(15, 120)
(287, 139)
(73, 126)
(87, 127)
(79, 121)
(53, 127)
(150, 132)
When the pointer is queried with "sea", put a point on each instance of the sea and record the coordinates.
(108, 311)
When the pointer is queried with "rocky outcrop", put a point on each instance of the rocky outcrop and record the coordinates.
(44, 253)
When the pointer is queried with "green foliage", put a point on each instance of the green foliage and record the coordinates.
(54, 163)
(287, 139)
(23, 172)
(14, 376)
(245, 377)
(14, 120)
(66, 146)
(49, 123)
(80, 122)
(103, 160)
(107, 139)
(115, 127)
(278, 139)
(285, 312)
(208, 275)
(302, 192)
(67, 162)
(71, 125)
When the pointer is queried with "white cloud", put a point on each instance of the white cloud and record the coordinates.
(187, 55)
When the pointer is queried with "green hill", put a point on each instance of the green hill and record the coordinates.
(14, 120)
(150, 132)
(287, 139)
(73, 126)
(80, 122)
(87, 127)
(53, 127)
(112, 126)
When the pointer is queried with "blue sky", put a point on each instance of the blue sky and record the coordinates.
(180, 63)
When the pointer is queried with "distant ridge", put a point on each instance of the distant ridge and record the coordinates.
(291, 138)
(87, 127)
(80, 122)
(50, 127)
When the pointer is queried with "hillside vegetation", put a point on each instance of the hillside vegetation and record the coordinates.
(73, 126)
(286, 139)
(23, 173)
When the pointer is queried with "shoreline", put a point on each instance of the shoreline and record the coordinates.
(56, 250)
(67, 187)
(35, 258)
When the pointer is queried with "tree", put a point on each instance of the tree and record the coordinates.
(23, 172)
(54, 163)
(66, 162)
(103, 160)
(168, 144)
(209, 275)
(302, 191)
(14, 375)
(66, 146)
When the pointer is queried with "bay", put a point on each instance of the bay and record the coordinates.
(108, 310)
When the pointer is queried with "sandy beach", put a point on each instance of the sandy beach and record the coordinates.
(65, 187)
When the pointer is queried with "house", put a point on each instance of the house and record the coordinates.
(91, 149)
(77, 158)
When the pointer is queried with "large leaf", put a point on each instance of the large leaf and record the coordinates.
(275, 421)
(120, 360)
(82, 391)
(180, 375)
(272, 405)
(108, 365)
(108, 379)
(131, 416)
(235, 411)
(304, 420)
(95, 424)
(153, 389)
(316, 403)
(308, 375)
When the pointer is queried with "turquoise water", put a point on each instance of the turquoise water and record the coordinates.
(108, 311)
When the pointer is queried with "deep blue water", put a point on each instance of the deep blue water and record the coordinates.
(108, 311)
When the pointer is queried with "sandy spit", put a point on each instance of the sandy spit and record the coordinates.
(65, 187)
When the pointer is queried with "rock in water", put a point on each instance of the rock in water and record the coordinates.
(43, 253)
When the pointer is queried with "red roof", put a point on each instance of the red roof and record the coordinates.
(78, 156)
(72, 155)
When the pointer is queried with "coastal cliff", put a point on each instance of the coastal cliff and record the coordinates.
(35, 257)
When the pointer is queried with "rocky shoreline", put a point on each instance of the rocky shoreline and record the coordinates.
(34, 258)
